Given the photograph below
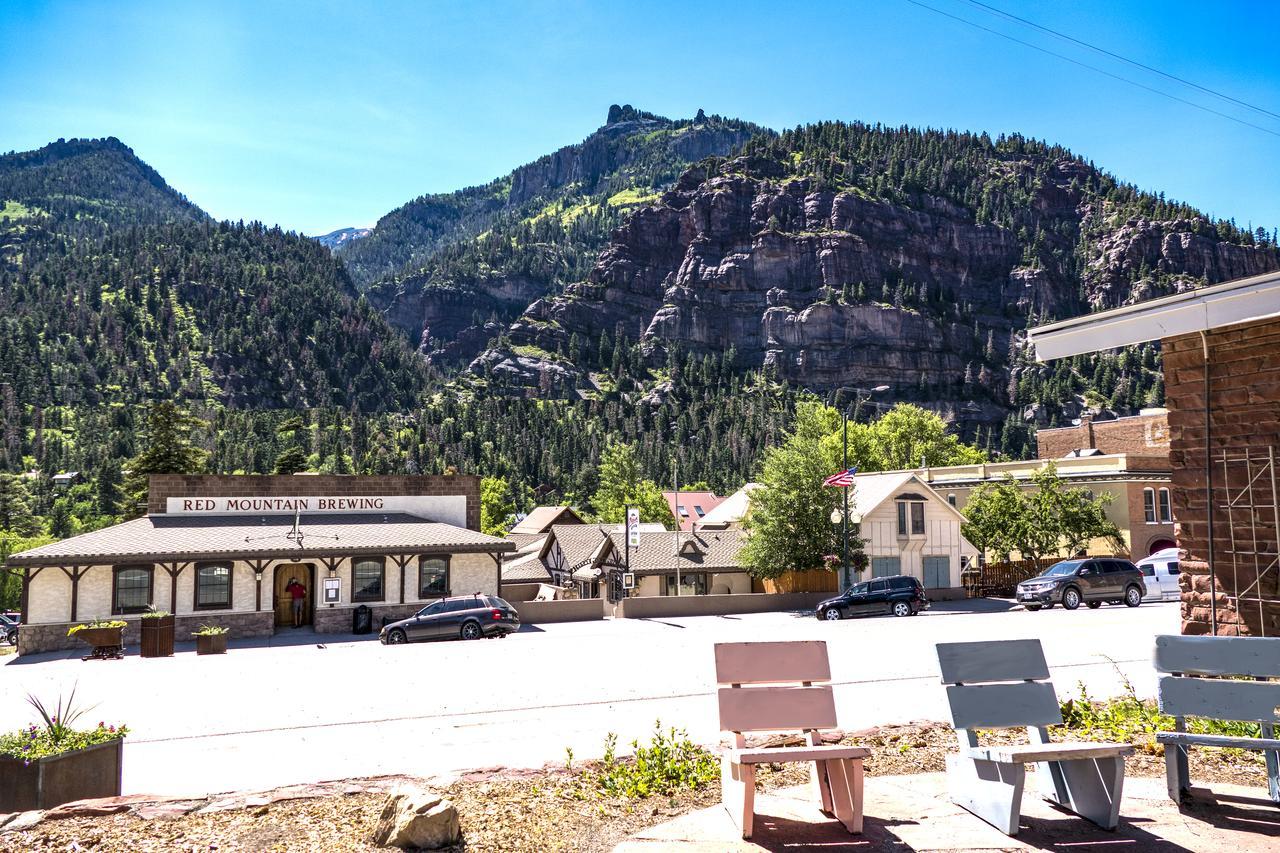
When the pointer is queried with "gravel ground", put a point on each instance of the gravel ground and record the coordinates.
(542, 811)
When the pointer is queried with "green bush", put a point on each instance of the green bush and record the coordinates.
(56, 736)
(668, 763)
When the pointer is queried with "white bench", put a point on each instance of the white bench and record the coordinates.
(1203, 680)
(1002, 685)
(771, 687)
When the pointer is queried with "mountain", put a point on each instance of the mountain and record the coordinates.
(452, 270)
(114, 288)
(839, 256)
(334, 239)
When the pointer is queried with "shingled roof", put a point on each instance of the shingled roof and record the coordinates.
(702, 550)
(175, 537)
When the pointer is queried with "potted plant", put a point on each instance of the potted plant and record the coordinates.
(157, 634)
(46, 765)
(211, 640)
(106, 636)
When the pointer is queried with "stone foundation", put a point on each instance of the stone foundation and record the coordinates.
(337, 620)
(52, 636)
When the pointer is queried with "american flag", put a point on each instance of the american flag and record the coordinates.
(841, 480)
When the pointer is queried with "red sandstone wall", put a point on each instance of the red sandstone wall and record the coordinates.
(1244, 378)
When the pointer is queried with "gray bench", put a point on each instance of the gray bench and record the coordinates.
(1003, 685)
(1204, 680)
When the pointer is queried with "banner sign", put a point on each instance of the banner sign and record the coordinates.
(633, 527)
(450, 509)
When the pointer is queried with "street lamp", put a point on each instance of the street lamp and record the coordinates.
(675, 478)
(861, 397)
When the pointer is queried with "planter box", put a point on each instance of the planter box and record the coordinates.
(106, 642)
(211, 644)
(47, 782)
(157, 637)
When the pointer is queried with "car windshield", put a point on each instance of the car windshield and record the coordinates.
(1066, 567)
(857, 589)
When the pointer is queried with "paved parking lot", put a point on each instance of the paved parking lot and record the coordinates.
(316, 707)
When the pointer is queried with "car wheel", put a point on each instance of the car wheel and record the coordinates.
(471, 631)
(1132, 596)
(1071, 598)
(396, 637)
(832, 614)
(1032, 607)
(1093, 605)
(901, 608)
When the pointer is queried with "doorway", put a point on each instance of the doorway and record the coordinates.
(305, 573)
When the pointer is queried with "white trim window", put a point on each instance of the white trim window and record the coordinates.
(1149, 505)
(1166, 507)
(910, 518)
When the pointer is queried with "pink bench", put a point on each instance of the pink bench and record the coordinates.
(771, 687)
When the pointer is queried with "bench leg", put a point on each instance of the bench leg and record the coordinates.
(738, 793)
(992, 790)
(1176, 773)
(845, 777)
(1090, 787)
(1272, 757)
(821, 786)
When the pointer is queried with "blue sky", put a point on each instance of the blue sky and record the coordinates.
(320, 115)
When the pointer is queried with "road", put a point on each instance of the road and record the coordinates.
(317, 707)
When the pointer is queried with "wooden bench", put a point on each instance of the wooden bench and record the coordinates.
(1002, 685)
(772, 687)
(1204, 680)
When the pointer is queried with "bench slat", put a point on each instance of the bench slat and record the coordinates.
(1255, 701)
(1029, 753)
(765, 755)
(1003, 706)
(998, 660)
(772, 663)
(1225, 741)
(770, 709)
(1256, 656)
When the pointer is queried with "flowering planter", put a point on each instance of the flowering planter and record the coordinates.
(106, 642)
(157, 637)
(47, 782)
(211, 644)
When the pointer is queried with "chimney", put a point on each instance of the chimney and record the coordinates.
(1086, 421)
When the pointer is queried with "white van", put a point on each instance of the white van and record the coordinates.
(1160, 574)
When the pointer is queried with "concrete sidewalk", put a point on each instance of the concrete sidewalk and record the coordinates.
(914, 813)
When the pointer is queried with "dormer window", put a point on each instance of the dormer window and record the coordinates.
(910, 515)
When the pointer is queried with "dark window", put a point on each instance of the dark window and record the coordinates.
(693, 583)
(433, 609)
(1173, 568)
(917, 519)
(1166, 508)
(131, 589)
(366, 579)
(1149, 505)
(951, 499)
(213, 586)
(902, 518)
(433, 577)
(698, 510)
(878, 586)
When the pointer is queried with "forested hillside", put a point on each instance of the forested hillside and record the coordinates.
(115, 289)
(845, 255)
(452, 270)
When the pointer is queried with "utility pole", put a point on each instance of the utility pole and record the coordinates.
(675, 477)
(844, 548)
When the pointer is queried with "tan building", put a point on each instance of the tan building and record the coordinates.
(1139, 486)
(221, 550)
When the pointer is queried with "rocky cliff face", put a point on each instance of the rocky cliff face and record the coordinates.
(829, 288)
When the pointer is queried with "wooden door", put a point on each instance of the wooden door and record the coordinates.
(305, 575)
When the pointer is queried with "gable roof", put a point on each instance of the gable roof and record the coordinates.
(525, 568)
(701, 550)
(872, 490)
(707, 500)
(579, 541)
(731, 509)
(541, 518)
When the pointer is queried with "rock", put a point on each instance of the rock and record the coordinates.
(416, 817)
(22, 820)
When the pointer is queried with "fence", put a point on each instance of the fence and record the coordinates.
(1001, 579)
(815, 580)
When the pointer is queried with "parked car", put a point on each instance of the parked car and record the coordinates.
(1091, 580)
(1160, 573)
(900, 595)
(9, 623)
(468, 617)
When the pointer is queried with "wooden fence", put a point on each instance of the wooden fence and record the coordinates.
(815, 580)
(1001, 579)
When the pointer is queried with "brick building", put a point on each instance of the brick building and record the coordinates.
(1145, 434)
(1221, 349)
(223, 550)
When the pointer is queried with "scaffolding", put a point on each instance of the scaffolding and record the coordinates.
(1252, 549)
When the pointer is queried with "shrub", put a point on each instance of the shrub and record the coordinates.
(209, 631)
(668, 763)
(96, 623)
(56, 735)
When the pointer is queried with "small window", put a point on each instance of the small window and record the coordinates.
(213, 586)
(131, 589)
(951, 499)
(902, 518)
(684, 513)
(917, 519)
(1149, 505)
(879, 586)
(1166, 507)
(433, 577)
(1173, 568)
(366, 579)
(1148, 570)
(698, 510)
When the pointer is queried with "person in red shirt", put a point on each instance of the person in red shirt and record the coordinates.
(299, 594)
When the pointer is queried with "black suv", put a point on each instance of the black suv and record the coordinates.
(1091, 580)
(900, 595)
(469, 618)
(9, 628)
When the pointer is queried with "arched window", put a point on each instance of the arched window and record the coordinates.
(433, 577)
(1149, 505)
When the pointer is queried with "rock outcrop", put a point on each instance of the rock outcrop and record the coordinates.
(415, 818)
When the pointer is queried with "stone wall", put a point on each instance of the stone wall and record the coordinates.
(52, 636)
(165, 486)
(1147, 435)
(1244, 415)
(338, 620)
